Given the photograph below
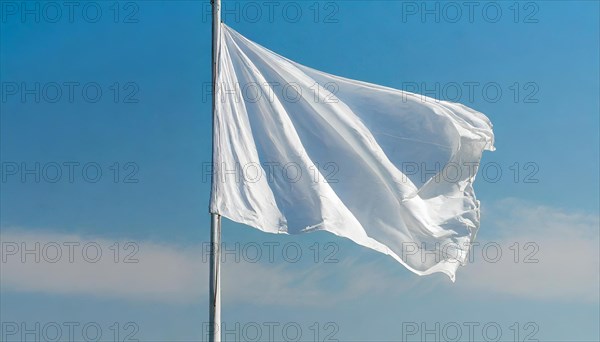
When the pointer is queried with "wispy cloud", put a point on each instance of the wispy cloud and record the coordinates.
(548, 253)
(93, 266)
(71, 264)
(557, 259)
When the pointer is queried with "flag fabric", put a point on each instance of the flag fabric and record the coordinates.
(298, 150)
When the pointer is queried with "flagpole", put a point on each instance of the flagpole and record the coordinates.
(215, 219)
(215, 280)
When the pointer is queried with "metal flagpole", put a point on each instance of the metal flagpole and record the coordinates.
(215, 219)
(215, 280)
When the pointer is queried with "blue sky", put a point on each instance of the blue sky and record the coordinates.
(151, 61)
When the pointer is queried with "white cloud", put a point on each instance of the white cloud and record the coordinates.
(155, 272)
(547, 253)
(161, 271)
(568, 266)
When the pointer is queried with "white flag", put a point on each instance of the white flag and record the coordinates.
(299, 150)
